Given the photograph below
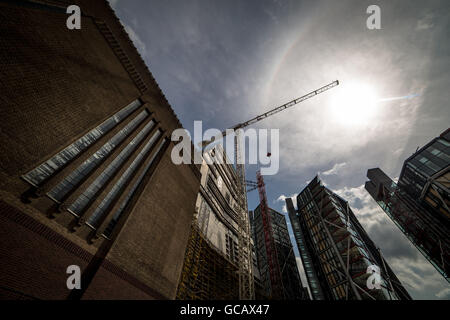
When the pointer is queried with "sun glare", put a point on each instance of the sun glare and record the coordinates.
(354, 105)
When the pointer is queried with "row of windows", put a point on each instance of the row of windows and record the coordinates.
(203, 215)
(49, 167)
(306, 261)
(73, 179)
(79, 205)
(328, 255)
(412, 181)
(116, 216)
(123, 180)
(232, 248)
(339, 292)
(432, 159)
(144, 140)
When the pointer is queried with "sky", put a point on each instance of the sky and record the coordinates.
(223, 62)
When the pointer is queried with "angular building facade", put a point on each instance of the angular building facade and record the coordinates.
(291, 287)
(336, 252)
(419, 203)
(86, 176)
(211, 264)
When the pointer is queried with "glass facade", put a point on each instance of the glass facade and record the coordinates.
(291, 283)
(329, 238)
(419, 204)
(424, 177)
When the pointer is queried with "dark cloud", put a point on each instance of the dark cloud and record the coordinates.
(394, 243)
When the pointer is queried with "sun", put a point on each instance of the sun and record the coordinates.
(354, 105)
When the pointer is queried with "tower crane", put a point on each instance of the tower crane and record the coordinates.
(269, 113)
(246, 282)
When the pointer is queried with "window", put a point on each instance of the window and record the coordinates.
(82, 201)
(232, 248)
(74, 178)
(423, 159)
(104, 205)
(435, 151)
(49, 167)
(116, 216)
(444, 142)
(432, 166)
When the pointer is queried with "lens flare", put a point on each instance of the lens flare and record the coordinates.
(354, 105)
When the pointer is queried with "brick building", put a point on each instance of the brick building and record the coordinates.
(86, 176)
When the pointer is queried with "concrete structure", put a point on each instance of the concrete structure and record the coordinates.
(211, 263)
(86, 176)
(419, 203)
(336, 251)
(292, 288)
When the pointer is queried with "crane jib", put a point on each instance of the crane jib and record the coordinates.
(286, 105)
(276, 110)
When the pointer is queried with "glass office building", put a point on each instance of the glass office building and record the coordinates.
(426, 176)
(419, 203)
(291, 287)
(336, 251)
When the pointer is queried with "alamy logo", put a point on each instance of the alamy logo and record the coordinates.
(258, 147)
(374, 20)
(374, 280)
(74, 280)
(74, 20)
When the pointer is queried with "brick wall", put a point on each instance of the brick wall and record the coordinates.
(56, 85)
(34, 259)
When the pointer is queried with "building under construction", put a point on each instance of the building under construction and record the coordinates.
(211, 264)
(335, 249)
(290, 287)
(419, 203)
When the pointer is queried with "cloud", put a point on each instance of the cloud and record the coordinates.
(425, 23)
(282, 198)
(417, 275)
(335, 169)
(444, 294)
(113, 3)
(140, 45)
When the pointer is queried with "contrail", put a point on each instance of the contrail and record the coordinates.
(399, 98)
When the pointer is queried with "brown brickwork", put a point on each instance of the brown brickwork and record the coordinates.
(56, 85)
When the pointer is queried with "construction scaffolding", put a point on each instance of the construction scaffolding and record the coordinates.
(218, 260)
(246, 279)
(207, 273)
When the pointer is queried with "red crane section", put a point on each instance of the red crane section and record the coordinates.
(272, 257)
